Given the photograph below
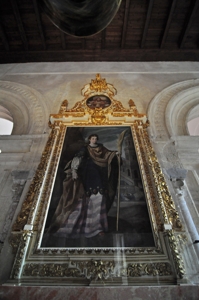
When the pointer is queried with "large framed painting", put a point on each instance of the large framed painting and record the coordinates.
(98, 192)
(98, 210)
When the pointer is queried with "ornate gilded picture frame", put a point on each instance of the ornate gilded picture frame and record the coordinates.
(118, 225)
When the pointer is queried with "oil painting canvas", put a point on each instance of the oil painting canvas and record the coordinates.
(98, 198)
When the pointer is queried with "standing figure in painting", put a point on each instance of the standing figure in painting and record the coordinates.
(88, 192)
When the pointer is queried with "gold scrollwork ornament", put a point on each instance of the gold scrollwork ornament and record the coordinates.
(98, 117)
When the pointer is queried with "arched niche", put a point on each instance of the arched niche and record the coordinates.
(6, 121)
(27, 107)
(168, 110)
(192, 121)
(178, 108)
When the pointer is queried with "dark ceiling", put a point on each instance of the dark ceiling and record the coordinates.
(142, 30)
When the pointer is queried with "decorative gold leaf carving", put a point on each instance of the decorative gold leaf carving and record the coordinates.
(51, 270)
(176, 253)
(98, 86)
(167, 205)
(14, 241)
(49, 179)
(150, 269)
(63, 106)
(78, 107)
(97, 270)
(20, 254)
(35, 186)
(97, 116)
(181, 239)
(138, 135)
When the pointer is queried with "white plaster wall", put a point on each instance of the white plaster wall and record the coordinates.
(58, 81)
(166, 91)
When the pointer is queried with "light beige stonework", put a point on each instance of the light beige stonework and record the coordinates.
(168, 92)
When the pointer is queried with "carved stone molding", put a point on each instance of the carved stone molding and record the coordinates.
(157, 108)
(178, 109)
(26, 106)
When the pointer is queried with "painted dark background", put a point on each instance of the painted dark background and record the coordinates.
(134, 222)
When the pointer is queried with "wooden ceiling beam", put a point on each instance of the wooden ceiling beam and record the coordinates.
(118, 42)
(4, 38)
(63, 40)
(188, 23)
(19, 23)
(38, 16)
(83, 43)
(146, 26)
(99, 55)
(125, 23)
(103, 39)
(166, 30)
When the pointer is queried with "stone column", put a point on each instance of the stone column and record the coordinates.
(179, 184)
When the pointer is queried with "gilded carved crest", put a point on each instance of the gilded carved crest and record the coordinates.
(99, 107)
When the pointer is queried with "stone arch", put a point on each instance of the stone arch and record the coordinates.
(162, 104)
(6, 121)
(27, 106)
(193, 117)
(178, 108)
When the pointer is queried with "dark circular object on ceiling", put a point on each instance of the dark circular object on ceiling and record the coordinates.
(80, 18)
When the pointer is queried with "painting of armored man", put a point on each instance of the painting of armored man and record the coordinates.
(98, 193)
